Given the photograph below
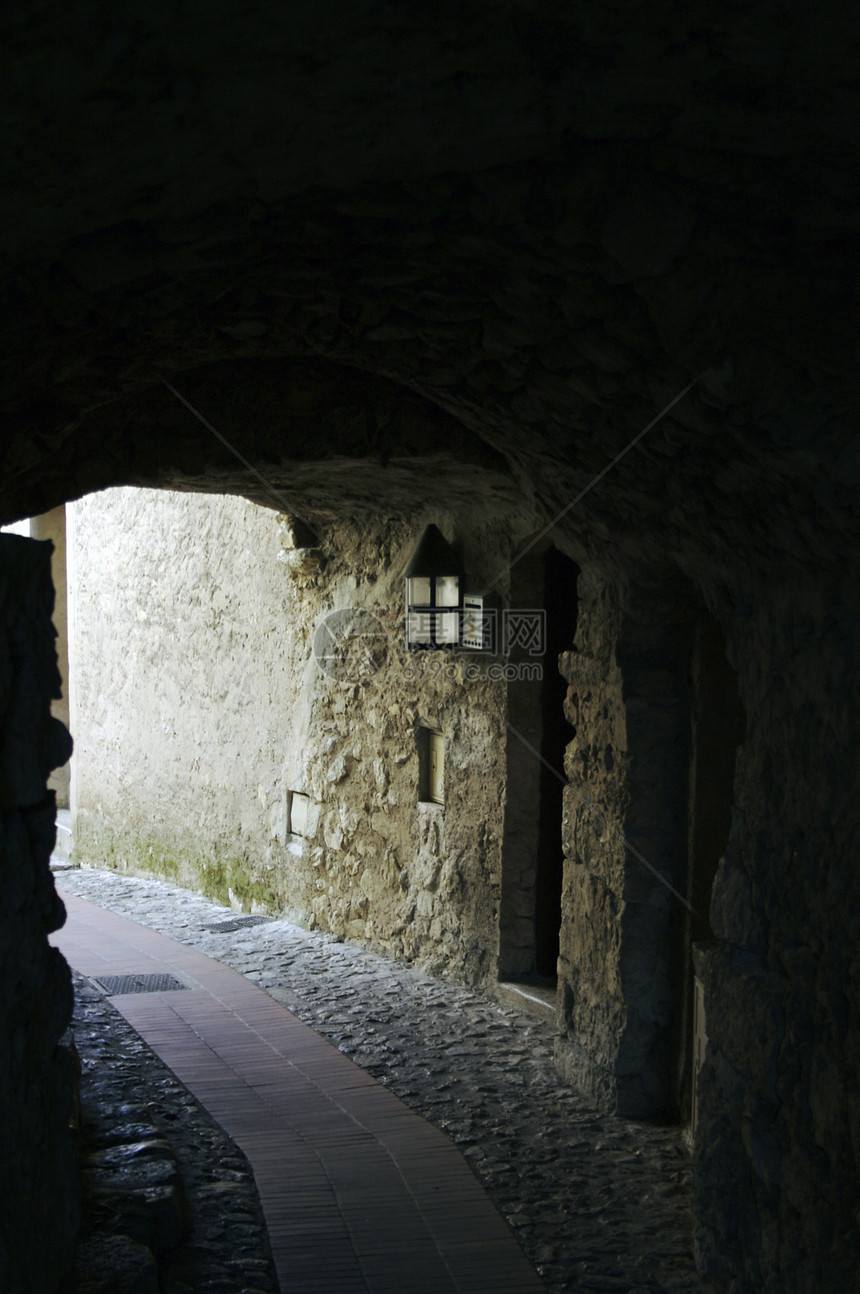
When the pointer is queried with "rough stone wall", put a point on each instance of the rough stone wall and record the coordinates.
(777, 1143)
(199, 705)
(38, 1203)
(589, 955)
(625, 833)
(779, 1112)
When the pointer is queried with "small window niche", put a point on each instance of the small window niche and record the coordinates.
(297, 813)
(431, 766)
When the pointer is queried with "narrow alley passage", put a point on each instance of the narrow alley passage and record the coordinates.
(597, 1203)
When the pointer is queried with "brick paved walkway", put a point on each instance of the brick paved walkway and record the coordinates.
(359, 1192)
(597, 1203)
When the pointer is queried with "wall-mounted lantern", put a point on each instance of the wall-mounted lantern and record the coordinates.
(434, 593)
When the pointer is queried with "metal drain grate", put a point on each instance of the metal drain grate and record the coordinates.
(236, 923)
(114, 985)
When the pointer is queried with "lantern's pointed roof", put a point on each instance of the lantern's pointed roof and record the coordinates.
(434, 556)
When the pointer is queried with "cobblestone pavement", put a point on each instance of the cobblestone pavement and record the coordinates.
(598, 1203)
(136, 1121)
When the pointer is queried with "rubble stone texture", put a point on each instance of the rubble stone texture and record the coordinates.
(448, 266)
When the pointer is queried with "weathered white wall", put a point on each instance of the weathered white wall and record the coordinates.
(199, 705)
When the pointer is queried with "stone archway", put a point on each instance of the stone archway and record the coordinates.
(493, 246)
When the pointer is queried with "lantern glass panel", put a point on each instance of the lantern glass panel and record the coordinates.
(418, 591)
(418, 627)
(447, 627)
(447, 591)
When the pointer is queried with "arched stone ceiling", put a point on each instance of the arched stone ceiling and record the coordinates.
(323, 224)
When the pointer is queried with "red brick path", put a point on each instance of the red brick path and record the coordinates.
(360, 1194)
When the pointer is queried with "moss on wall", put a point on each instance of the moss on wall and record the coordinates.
(227, 878)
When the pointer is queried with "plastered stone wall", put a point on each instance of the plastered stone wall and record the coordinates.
(200, 704)
(38, 1204)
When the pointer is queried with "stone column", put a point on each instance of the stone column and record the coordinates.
(52, 525)
(624, 834)
(38, 1166)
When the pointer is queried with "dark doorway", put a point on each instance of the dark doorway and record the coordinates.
(718, 726)
(560, 600)
(543, 581)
